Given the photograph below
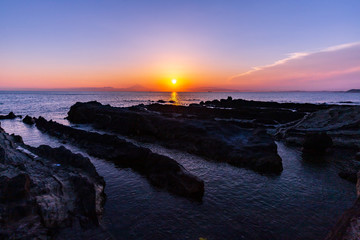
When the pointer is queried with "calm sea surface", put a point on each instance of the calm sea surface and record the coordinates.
(302, 203)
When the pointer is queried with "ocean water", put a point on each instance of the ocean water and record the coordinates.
(304, 202)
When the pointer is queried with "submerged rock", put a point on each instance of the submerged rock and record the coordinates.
(215, 140)
(161, 171)
(45, 191)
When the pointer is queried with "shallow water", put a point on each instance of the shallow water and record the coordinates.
(304, 202)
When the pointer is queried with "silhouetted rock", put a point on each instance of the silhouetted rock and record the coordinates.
(28, 120)
(11, 115)
(349, 175)
(316, 143)
(161, 171)
(216, 140)
(260, 114)
(354, 91)
(46, 191)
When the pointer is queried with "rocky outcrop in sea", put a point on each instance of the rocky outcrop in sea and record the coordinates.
(215, 140)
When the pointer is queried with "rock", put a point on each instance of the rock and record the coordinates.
(224, 111)
(316, 143)
(17, 138)
(161, 171)
(215, 140)
(349, 175)
(341, 123)
(14, 188)
(29, 120)
(348, 226)
(45, 192)
(161, 101)
(11, 115)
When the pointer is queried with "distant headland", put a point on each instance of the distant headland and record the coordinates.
(354, 91)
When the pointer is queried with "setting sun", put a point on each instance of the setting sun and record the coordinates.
(173, 81)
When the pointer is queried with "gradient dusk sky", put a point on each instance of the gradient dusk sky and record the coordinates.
(240, 45)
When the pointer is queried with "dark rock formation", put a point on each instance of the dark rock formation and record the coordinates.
(217, 140)
(272, 116)
(28, 120)
(349, 174)
(241, 104)
(341, 123)
(316, 143)
(11, 115)
(46, 191)
(347, 227)
(354, 91)
(161, 171)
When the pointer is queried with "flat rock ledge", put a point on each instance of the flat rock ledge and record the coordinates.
(161, 171)
(340, 123)
(48, 193)
(214, 140)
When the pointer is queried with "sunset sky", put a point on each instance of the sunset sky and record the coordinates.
(237, 45)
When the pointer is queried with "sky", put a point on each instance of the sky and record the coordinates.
(236, 45)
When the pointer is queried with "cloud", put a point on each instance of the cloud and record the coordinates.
(332, 68)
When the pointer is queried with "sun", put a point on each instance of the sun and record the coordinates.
(173, 81)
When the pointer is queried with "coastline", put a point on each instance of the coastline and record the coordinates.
(209, 111)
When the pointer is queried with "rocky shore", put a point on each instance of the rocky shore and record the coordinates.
(161, 171)
(215, 140)
(48, 193)
(52, 193)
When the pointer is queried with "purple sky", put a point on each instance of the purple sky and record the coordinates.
(244, 45)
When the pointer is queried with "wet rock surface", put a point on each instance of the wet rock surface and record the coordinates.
(348, 226)
(215, 140)
(46, 192)
(161, 171)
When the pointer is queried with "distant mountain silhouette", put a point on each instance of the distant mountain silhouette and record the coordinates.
(135, 88)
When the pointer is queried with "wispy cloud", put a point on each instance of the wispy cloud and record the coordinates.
(332, 68)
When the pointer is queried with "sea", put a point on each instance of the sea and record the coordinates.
(304, 202)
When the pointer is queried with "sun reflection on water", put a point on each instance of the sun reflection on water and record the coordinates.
(174, 98)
